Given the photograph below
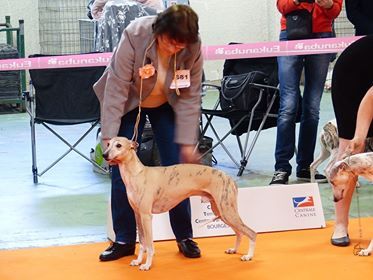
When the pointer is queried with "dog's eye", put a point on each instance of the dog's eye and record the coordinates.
(118, 146)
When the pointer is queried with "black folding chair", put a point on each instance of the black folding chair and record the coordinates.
(262, 113)
(60, 97)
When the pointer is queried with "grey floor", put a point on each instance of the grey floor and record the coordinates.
(69, 205)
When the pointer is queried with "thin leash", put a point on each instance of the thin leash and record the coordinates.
(357, 247)
(138, 117)
(136, 127)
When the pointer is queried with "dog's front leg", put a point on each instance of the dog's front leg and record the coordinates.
(142, 249)
(146, 221)
(367, 251)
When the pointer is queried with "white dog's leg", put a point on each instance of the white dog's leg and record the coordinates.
(146, 221)
(324, 154)
(250, 252)
(367, 251)
(236, 245)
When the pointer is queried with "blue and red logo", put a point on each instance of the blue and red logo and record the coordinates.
(304, 201)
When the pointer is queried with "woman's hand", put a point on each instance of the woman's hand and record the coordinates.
(188, 154)
(105, 144)
(356, 146)
(327, 4)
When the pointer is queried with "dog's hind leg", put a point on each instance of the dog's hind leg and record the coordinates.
(367, 251)
(241, 229)
(230, 216)
(236, 245)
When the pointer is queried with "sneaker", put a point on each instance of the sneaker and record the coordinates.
(305, 175)
(280, 178)
(116, 251)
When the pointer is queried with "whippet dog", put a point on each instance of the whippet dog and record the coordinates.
(329, 143)
(344, 175)
(159, 189)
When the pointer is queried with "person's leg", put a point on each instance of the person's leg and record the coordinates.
(163, 124)
(290, 69)
(316, 69)
(124, 223)
(342, 207)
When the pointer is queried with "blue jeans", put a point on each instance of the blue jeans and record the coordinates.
(163, 126)
(289, 72)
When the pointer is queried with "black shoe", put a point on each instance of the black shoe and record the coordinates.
(280, 177)
(116, 251)
(341, 242)
(305, 175)
(189, 248)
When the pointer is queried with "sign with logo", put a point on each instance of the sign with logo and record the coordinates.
(264, 209)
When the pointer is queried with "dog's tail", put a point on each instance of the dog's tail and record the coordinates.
(210, 221)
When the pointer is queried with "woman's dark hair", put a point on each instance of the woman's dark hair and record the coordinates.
(178, 22)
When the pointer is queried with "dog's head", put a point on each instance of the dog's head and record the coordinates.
(120, 149)
(342, 179)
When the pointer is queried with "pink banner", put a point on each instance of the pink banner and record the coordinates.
(262, 49)
(281, 48)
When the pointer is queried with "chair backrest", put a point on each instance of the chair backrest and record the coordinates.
(65, 96)
(267, 65)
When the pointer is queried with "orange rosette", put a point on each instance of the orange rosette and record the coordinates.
(146, 71)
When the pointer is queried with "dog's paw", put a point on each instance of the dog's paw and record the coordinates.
(365, 252)
(135, 263)
(231, 251)
(246, 258)
(144, 267)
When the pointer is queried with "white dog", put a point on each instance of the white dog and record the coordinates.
(344, 175)
(158, 189)
(329, 143)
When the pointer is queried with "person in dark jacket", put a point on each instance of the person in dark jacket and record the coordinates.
(360, 14)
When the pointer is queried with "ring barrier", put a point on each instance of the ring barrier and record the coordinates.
(218, 52)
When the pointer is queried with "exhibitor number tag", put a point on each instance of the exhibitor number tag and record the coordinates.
(182, 79)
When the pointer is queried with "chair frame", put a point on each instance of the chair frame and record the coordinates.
(245, 152)
(29, 97)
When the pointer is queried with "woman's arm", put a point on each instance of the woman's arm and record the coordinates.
(363, 122)
(97, 8)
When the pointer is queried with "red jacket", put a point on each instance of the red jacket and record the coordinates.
(321, 18)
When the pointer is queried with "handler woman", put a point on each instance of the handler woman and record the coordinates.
(352, 95)
(157, 65)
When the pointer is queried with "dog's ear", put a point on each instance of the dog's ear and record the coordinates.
(134, 145)
(344, 166)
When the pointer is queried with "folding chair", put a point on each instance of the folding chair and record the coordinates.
(261, 115)
(60, 97)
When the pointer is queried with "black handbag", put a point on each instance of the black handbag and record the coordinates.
(299, 25)
(236, 92)
(239, 96)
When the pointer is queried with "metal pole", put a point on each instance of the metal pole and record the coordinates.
(21, 50)
(9, 37)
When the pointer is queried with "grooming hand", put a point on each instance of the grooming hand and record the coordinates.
(188, 154)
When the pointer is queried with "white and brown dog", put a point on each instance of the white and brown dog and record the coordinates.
(159, 189)
(344, 175)
(329, 143)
